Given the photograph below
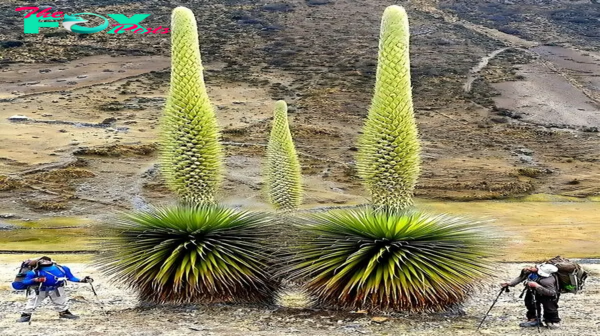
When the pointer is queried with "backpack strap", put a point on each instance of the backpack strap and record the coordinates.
(556, 283)
(61, 269)
(64, 273)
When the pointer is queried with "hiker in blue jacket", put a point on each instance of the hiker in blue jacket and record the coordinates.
(48, 280)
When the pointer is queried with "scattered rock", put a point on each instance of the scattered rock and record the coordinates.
(109, 121)
(524, 151)
(318, 2)
(6, 226)
(82, 76)
(499, 120)
(198, 328)
(19, 117)
(71, 83)
(589, 129)
(107, 70)
(509, 113)
(379, 319)
(29, 83)
(45, 70)
(278, 7)
(526, 159)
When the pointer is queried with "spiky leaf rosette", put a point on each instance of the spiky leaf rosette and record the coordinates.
(381, 260)
(191, 153)
(191, 253)
(388, 156)
(283, 172)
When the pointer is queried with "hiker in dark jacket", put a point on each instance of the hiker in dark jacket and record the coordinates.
(545, 286)
(48, 280)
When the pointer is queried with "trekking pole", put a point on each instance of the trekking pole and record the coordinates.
(537, 313)
(97, 298)
(523, 292)
(37, 296)
(493, 304)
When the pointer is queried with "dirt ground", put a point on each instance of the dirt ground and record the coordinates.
(290, 317)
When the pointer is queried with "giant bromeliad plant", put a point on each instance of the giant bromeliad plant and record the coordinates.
(388, 256)
(192, 253)
(284, 185)
(196, 251)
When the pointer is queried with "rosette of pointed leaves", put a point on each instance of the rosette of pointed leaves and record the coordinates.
(191, 155)
(380, 260)
(191, 253)
(284, 183)
(388, 156)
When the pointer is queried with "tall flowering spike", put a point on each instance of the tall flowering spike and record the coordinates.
(389, 151)
(191, 152)
(284, 183)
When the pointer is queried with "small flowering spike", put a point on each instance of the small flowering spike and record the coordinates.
(284, 183)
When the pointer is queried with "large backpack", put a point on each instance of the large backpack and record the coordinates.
(26, 266)
(570, 276)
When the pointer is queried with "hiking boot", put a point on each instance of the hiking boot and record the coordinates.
(553, 325)
(529, 324)
(24, 318)
(68, 315)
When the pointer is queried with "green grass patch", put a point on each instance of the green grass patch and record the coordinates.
(52, 222)
(534, 230)
(74, 239)
(60, 258)
(549, 198)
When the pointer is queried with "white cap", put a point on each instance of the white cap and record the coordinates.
(546, 270)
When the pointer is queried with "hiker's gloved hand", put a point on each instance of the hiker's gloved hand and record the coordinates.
(87, 279)
(532, 284)
(40, 279)
(504, 284)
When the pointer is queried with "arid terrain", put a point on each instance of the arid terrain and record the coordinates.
(507, 100)
(500, 115)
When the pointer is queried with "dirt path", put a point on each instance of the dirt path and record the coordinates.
(579, 314)
(473, 73)
(558, 99)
